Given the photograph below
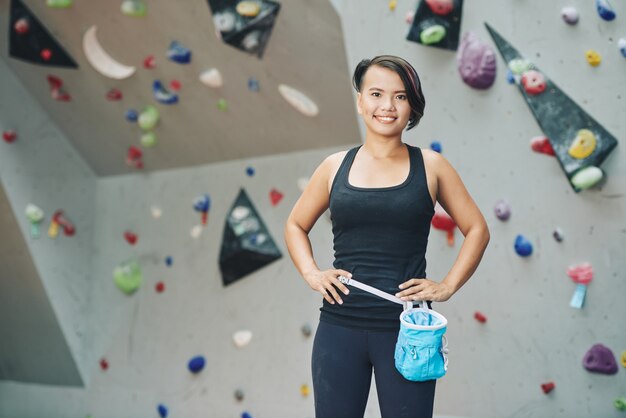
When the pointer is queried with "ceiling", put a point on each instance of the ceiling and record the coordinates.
(305, 51)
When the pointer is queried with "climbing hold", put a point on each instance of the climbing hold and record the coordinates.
(275, 197)
(21, 26)
(600, 359)
(558, 234)
(519, 65)
(436, 146)
(133, 157)
(127, 276)
(156, 211)
(162, 95)
(131, 115)
(480, 317)
(547, 387)
(502, 209)
(251, 41)
(476, 62)
(523, 247)
(196, 364)
(253, 84)
(393, 4)
(195, 231)
(134, 8)
(58, 219)
(510, 78)
(169, 260)
(621, 44)
(162, 410)
(533, 82)
(212, 78)
(9, 136)
(148, 139)
(305, 390)
(56, 91)
(149, 62)
(59, 4)
(225, 21)
(587, 177)
(306, 330)
(35, 216)
(542, 145)
(582, 273)
(114, 95)
(623, 358)
(620, 403)
(408, 18)
(100, 59)
(202, 204)
(593, 57)
(159, 287)
(242, 338)
(248, 8)
(432, 34)
(444, 222)
(104, 364)
(605, 10)
(130, 237)
(222, 105)
(298, 100)
(175, 85)
(250, 171)
(246, 415)
(148, 118)
(239, 395)
(440, 7)
(178, 53)
(584, 144)
(45, 54)
(569, 15)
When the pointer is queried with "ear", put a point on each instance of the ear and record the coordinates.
(358, 103)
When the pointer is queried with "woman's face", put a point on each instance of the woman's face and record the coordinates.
(383, 102)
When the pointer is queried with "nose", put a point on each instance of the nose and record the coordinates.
(388, 104)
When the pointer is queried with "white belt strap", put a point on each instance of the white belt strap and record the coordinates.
(379, 293)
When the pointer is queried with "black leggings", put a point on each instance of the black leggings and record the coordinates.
(342, 364)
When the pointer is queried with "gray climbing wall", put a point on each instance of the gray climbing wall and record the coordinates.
(531, 336)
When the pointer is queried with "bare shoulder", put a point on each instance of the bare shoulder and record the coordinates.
(435, 162)
(331, 165)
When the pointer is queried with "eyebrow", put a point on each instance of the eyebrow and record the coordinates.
(378, 89)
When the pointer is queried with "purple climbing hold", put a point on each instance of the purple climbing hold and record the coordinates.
(196, 364)
(600, 359)
(523, 247)
(476, 62)
(502, 210)
(162, 409)
(605, 10)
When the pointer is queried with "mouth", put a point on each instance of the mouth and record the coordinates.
(385, 119)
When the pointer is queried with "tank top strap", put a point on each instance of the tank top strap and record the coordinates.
(342, 173)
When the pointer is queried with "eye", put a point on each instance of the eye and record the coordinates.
(401, 97)
(376, 94)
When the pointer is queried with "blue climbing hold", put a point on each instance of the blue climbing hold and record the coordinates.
(179, 53)
(250, 171)
(436, 146)
(253, 84)
(132, 115)
(523, 247)
(509, 77)
(246, 415)
(202, 203)
(605, 10)
(196, 364)
(169, 260)
(162, 95)
(162, 409)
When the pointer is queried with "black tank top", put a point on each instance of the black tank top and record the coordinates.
(380, 236)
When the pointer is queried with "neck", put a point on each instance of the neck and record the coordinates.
(382, 147)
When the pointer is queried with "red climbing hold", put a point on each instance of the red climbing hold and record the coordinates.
(104, 364)
(133, 158)
(149, 62)
(480, 317)
(541, 144)
(547, 387)
(22, 26)
(130, 237)
(45, 54)
(275, 197)
(175, 85)
(9, 136)
(534, 82)
(56, 92)
(114, 95)
(442, 221)
(160, 287)
(68, 227)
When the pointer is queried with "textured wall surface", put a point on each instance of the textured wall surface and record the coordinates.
(532, 335)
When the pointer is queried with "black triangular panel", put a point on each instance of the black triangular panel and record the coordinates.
(263, 23)
(425, 17)
(560, 118)
(246, 244)
(28, 46)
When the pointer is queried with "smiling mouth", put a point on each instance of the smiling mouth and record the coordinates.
(385, 119)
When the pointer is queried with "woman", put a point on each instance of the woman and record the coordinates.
(381, 197)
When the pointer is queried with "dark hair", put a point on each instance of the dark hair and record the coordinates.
(407, 74)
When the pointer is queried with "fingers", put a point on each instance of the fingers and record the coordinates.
(411, 287)
(340, 285)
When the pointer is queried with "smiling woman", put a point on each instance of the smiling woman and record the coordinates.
(381, 196)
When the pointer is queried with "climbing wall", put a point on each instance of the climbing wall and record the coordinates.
(168, 333)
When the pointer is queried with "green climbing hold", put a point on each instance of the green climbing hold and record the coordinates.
(148, 118)
(519, 66)
(148, 139)
(127, 276)
(587, 177)
(620, 403)
(432, 34)
(221, 105)
(59, 4)
(134, 8)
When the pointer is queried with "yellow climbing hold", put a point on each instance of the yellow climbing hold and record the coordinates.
(623, 359)
(393, 4)
(593, 57)
(304, 390)
(583, 145)
(248, 8)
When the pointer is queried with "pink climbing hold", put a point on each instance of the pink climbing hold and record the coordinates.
(45, 54)
(600, 359)
(542, 145)
(534, 82)
(581, 274)
(22, 26)
(440, 7)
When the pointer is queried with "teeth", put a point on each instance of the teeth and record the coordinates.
(385, 118)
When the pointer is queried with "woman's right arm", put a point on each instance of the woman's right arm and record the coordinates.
(309, 207)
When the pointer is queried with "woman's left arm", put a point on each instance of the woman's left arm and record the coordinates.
(455, 199)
